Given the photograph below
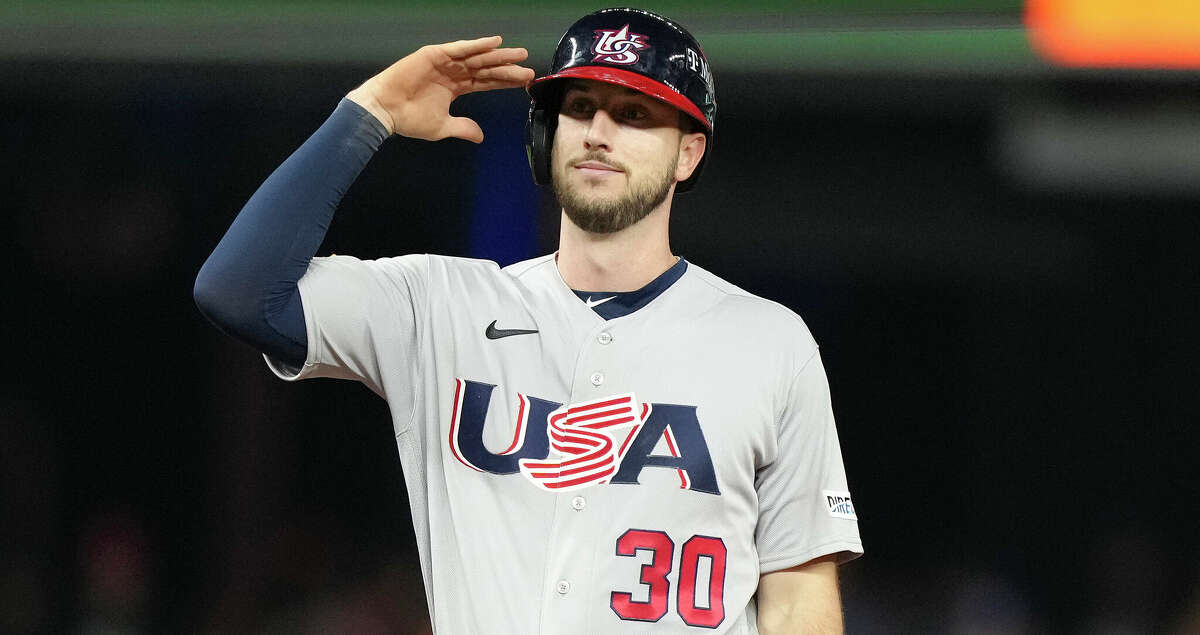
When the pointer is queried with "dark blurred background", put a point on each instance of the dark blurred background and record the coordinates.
(997, 254)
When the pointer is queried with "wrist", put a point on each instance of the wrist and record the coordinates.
(363, 97)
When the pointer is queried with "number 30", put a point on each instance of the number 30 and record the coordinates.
(655, 576)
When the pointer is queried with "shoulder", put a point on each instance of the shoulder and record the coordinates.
(750, 314)
(428, 265)
(731, 298)
(390, 265)
(531, 266)
(430, 271)
(457, 265)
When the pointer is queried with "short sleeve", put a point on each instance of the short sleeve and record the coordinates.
(362, 318)
(805, 510)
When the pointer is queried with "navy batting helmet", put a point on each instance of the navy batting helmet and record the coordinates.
(628, 47)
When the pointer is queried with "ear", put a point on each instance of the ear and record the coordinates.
(691, 150)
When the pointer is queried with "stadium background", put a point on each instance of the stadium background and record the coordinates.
(996, 253)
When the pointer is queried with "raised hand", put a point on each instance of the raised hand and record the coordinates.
(412, 97)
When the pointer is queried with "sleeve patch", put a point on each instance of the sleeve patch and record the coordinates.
(839, 504)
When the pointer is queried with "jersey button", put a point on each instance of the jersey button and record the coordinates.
(604, 338)
(563, 587)
(578, 503)
(597, 379)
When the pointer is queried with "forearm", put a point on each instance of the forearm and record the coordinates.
(801, 600)
(248, 286)
(800, 620)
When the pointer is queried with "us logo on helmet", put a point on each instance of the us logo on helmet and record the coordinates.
(618, 47)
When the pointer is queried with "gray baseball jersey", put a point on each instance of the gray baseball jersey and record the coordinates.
(571, 474)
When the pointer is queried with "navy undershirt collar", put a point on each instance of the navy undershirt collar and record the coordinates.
(609, 304)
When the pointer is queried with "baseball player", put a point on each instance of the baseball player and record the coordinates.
(606, 439)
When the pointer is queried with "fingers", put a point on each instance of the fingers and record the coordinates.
(464, 128)
(517, 75)
(465, 48)
(497, 57)
(490, 84)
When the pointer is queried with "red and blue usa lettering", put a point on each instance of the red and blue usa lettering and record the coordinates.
(607, 440)
(584, 433)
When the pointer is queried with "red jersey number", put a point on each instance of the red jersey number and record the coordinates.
(653, 574)
(703, 607)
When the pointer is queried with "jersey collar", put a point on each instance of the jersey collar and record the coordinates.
(615, 304)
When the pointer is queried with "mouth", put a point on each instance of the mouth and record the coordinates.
(596, 168)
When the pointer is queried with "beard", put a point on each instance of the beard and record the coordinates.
(605, 216)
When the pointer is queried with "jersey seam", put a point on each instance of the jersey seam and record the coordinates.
(314, 349)
(419, 321)
(530, 266)
(791, 387)
(419, 370)
(812, 355)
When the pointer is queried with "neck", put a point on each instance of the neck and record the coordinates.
(621, 261)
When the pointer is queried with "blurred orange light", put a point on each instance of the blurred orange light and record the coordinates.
(1116, 33)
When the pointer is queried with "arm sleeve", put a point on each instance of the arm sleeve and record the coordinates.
(805, 510)
(248, 286)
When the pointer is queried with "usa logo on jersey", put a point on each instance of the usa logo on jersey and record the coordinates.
(584, 437)
(603, 441)
(618, 47)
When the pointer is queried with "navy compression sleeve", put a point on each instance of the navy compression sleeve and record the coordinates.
(247, 287)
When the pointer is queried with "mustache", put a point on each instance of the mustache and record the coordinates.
(596, 155)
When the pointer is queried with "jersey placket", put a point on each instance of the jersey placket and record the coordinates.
(571, 600)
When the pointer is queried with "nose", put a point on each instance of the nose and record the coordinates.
(599, 132)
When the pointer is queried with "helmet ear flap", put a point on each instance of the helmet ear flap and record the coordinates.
(539, 140)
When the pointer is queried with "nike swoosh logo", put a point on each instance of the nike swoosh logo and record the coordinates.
(494, 333)
(597, 302)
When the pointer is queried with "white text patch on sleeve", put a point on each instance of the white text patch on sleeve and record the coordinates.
(839, 504)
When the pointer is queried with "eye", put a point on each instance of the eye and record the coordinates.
(580, 107)
(633, 113)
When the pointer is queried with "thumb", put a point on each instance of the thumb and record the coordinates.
(465, 128)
